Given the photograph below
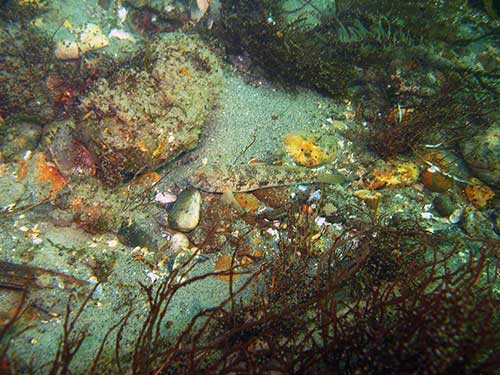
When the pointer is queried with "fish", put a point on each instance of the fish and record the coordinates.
(218, 178)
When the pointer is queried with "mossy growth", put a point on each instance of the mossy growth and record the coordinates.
(25, 59)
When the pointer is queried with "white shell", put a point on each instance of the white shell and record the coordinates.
(121, 35)
(165, 198)
(456, 216)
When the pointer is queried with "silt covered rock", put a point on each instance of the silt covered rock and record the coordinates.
(17, 136)
(482, 155)
(144, 118)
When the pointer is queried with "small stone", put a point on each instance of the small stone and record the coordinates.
(113, 243)
(68, 50)
(134, 232)
(456, 216)
(179, 241)
(121, 35)
(496, 224)
(185, 214)
(443, 205)
(37, 241)
(434, 180)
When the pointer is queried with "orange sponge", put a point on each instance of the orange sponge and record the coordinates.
(305, 151)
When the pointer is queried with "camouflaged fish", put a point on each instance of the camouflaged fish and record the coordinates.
(243, 178)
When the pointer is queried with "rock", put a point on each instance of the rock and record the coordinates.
(11, 190)
(27, 58)
(436, 181)
(41, 178)
(145, 118)
(475, 224)
(443, 205)
(134, 233)
(178, 241)
(92, 38)
(482, 155)
(70, 156)
(185, 214)
(18, 136)
(61, 218)
(67, 50)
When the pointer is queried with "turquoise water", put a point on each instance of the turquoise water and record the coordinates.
(142, 230)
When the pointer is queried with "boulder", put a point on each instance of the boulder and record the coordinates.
(146, 116)
(482, 155)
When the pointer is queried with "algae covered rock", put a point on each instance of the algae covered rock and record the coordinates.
(482, 155)
(17, 135)
(145, 117)
(25, 60)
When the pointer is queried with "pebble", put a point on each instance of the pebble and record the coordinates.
(456, 216)
(185, 214)
(179, 241)
(443, 205)
(475, 224)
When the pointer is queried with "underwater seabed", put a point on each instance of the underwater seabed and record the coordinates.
(270, 255)
(169, 205)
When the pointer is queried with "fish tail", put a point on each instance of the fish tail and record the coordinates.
(330, 178)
